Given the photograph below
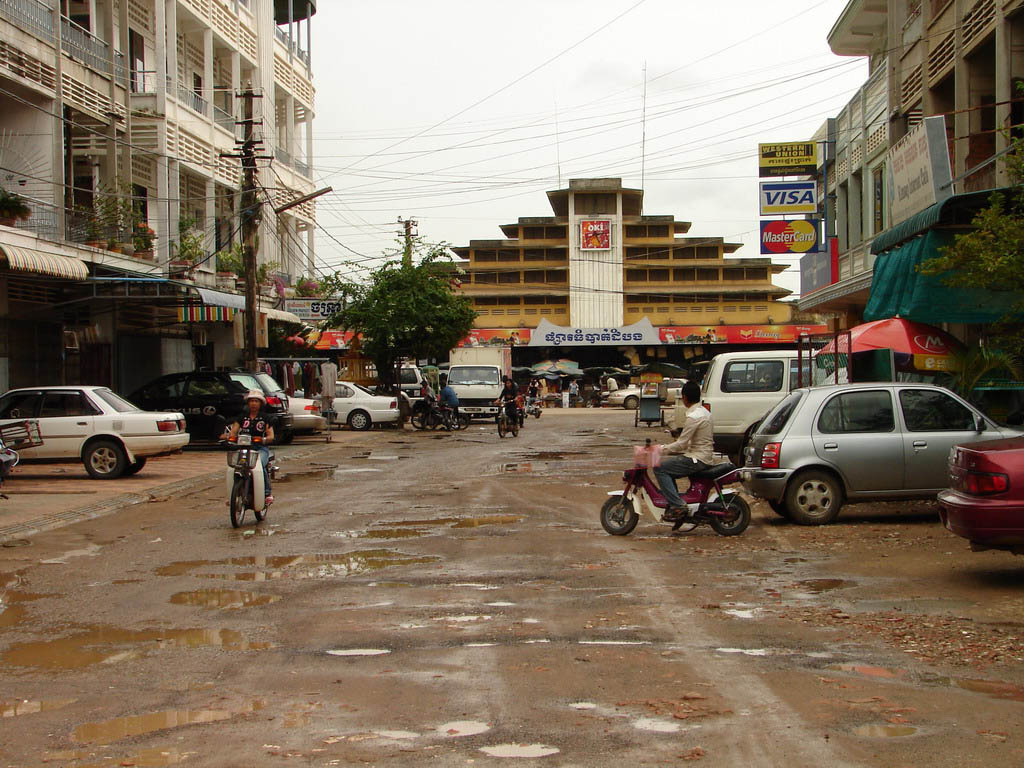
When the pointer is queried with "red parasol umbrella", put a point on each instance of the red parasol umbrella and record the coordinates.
(921, 347)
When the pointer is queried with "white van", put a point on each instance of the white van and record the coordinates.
(740, 388)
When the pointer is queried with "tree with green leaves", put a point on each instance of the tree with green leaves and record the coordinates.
(408, 310)
(991, 255)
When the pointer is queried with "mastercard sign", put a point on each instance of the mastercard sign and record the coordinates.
(797, 236)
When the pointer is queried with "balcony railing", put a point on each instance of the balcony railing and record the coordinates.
(283, 155)
(303, 169)
(31, 15)
(82, 45)
(224, 119)
(300, 54)
(192, 100)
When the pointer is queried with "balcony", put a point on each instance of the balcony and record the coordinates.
(193, 100)
(83, 46)
(282, 37)
(32, 16)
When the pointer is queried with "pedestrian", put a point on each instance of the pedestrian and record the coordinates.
(574, 392)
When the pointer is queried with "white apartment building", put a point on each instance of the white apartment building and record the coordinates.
(137, 101)
(959, 59)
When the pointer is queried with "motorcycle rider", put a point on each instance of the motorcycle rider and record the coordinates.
(449, 397)
(690, 453)
(255, 421)
(507, 399)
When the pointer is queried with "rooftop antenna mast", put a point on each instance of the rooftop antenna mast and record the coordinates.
(643, 132)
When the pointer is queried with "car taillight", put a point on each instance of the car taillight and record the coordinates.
(708, 406)
(394, 404)
(984, 483)
(313, 407)
(770, 455)
(171, 425)
(274, 400)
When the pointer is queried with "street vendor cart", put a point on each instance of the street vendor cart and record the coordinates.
(649, 408)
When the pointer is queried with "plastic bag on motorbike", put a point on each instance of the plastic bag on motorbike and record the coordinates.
(648, 456)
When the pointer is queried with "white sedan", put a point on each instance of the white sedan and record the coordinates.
(306, 415)
(111, 436)
(360, 408)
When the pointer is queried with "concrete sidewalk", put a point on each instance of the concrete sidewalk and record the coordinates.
(42, 497)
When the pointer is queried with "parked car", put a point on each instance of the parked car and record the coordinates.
(739, 388)
(822, 446)
(111, 436)
(361, 409)
(211, 399)
(625, 397)
(985, 501)
(306, 416)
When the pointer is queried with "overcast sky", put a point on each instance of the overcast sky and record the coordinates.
(463, 113)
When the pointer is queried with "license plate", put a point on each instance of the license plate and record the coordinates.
(245, 439)
(472, 410)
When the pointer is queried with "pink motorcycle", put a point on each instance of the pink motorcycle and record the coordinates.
(707, 500)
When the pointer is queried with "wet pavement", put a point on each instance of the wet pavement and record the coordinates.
(451, 599)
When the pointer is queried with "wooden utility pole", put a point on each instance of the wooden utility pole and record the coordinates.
(407, 250)
(250, 214)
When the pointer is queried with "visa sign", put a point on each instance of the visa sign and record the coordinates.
(782, 197)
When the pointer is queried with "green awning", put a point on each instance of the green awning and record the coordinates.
(899, 290)
(958, 209)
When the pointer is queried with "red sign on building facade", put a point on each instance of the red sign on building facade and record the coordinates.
(595, 234)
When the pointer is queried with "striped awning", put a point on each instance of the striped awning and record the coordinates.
(29, 260)
(204, 314)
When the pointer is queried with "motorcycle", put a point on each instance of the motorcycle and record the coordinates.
(533, 408)
(707, 501)
(8, 460)
(244, 479)
(428, 414)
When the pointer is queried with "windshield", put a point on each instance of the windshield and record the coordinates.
(115, 401)
(472, 374)
(409, 376)
(247, 380)
(269, 385)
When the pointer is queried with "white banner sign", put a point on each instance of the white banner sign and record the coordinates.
(917, 167)
(548, 335)
(312, 309)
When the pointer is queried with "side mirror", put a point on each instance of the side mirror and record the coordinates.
(979, 423)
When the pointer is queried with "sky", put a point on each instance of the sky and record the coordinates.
(461, 114)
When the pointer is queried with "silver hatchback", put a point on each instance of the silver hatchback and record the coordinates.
(823, 446)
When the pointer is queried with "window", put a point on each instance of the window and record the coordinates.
(556, 233)
(115, 401)
(554, 276)
(508, 255)
(533, 276)
(343, 391)
(204, 386)
(684, 253)
(869, 411)
(795, 379)
(636, 275)
(533, 299)
(533, 233)
(485, 256)
(657, 275)
(470, 375)
(877, 200)
(707, 252)
(925, 410)
(59, 403)
(753, 376)
(246, 381)
(534, 254)
(684, 275)
(707, 275)
(563, 300)
(164, 389)
(268, 383)
(509, 300)
(20, 405)
(508, 277)
(590, 204)
(777, 419)
(137, 60)
(485, 277)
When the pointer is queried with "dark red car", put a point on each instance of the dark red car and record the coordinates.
(985, 500)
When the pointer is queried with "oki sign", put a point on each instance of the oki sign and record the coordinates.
(797, 236)
(595, 234)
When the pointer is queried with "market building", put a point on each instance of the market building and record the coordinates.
(116, 116)
(599, 272)
(940, 104)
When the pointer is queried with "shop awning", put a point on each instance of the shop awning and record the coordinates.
(277, 314)
(899, 290)
(30, 260)
(214, 298)
(958, 209)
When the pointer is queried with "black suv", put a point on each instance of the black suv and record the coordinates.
(211, 399)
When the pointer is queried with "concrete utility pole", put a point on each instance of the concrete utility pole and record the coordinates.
(407, 250)
(250, 215)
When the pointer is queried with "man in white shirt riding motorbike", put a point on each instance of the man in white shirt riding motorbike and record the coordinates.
(691, 452)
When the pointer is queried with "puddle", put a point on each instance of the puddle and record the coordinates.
(300, 566)
(869, 671)
(109, 731)
(817, 586)
(389, 584)
(747, 613)
(11, 615)
(392, 533)
(500, 604)
(397, 734)
(463, 728)
(358, 652)
(614, 642)
(90, 551)
(110, 645)
(26, 707)
(353, 470)
(885, 731)
(479, 645)
(154, 757)
(421, 523)
(554, 455)
(461, 619)
(519, 750)
(454, 522)
(476, 522)
(794, 560)
(993, 688)
(222, 598)
(745, 651)
(656, 726)
(582, 705)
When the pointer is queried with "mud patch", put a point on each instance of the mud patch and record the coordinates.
(817, 586)
(993, 688)
(879, 731)
(26, 707)
(307, 566)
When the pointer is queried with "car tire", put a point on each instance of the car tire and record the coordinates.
(105, 460)
(135, 467)
(286, 438)
(779, 508)
(814, 497)
(631, 403)
(360, 420)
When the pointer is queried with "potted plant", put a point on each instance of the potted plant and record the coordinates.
(13, 208)
(230, 266)
(307, 287)
(117, 216)
(143, 241)
(188, 251)
(91, 224)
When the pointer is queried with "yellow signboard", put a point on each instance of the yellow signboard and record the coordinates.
(794, 158)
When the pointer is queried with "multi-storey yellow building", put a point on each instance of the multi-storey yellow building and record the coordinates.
(599, 262)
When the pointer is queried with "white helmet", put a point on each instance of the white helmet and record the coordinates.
(255, 394)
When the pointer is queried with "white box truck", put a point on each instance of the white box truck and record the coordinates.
(475, 373)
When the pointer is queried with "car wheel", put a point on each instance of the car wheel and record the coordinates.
(135, 467)
(360, 420)
(779, 508)
(631, 403)
(814, 498)
(286, 438)
(105, 460)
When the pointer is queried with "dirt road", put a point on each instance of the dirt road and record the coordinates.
(446, 600)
